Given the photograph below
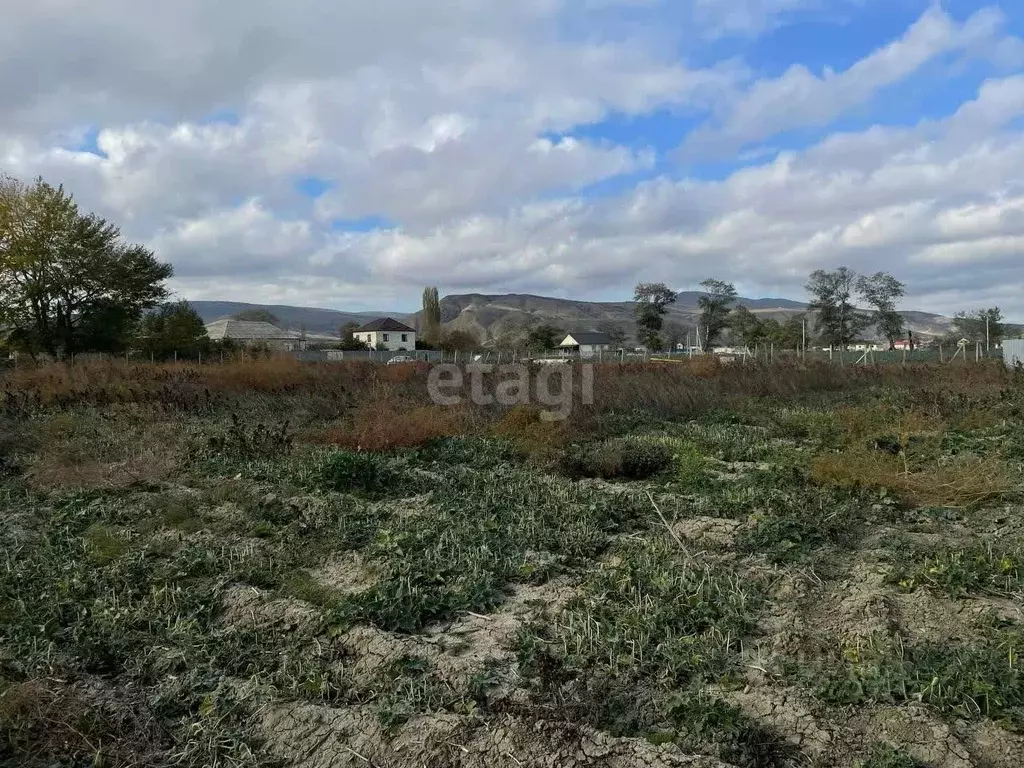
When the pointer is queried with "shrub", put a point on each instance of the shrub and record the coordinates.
(628, 458)
(256, 442)
(366, 474)
(529, 433)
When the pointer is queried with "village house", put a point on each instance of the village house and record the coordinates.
(252, 333)
(388, 334)
(585, 344)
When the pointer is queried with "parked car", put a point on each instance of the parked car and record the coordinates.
(398, 359)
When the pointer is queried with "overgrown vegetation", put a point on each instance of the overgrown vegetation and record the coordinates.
(704, 560)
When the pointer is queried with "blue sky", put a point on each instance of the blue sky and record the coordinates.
(344, 154)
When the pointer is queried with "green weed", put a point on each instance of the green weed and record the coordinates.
(963, 681)
(370, 475)
(628, 458)
(647, 626)
(886, 756)
(988, 569)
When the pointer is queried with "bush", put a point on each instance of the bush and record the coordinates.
(524, 428)
(619, 458)
(257, 442)
(369, 475)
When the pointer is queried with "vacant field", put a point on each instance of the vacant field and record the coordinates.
(274, 564)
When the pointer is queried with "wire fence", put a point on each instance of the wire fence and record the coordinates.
(933, 354)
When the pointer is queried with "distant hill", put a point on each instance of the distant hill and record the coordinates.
(321, 321)
(507, 318)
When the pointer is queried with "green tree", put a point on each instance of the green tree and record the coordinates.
(715, 306)
(838, 323)
(430, 330)
(673, 334)
(544, 337)
(172, 327)
(983, 325)
(458, 341)
(792, 332)
(257, 315)
(348, 340)
(68, 282)
(882, 292)
(747, 328)
(652, 301)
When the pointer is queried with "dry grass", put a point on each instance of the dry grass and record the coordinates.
(49, 719)
(525, 429)
(392, 424)
(961, 483)
(858, 424)
(88, 452)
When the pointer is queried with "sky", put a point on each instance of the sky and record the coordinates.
(344, 154)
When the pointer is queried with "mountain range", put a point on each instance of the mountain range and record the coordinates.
(507, 318)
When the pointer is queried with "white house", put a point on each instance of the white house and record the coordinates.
(586, 344)
(388, 334)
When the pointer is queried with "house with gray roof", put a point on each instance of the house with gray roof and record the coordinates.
(251, 333)
(388, 334)
(585, 343)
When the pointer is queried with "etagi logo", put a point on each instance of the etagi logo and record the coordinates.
(556, 387)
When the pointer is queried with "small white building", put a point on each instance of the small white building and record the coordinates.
(387, 334)
(585, 344)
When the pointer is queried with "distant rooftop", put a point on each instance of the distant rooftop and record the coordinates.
(248, 330)
(590, 338)
(386, 324)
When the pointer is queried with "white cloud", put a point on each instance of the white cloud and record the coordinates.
(801, 99)
(457, 120)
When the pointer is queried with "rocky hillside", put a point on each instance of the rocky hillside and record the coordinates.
(505, 319)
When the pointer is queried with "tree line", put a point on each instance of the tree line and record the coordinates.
(843, 306)
(70, 283)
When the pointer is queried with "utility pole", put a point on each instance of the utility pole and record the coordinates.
(988, 338)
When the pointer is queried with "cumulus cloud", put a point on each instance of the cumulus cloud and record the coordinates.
(463, 143)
